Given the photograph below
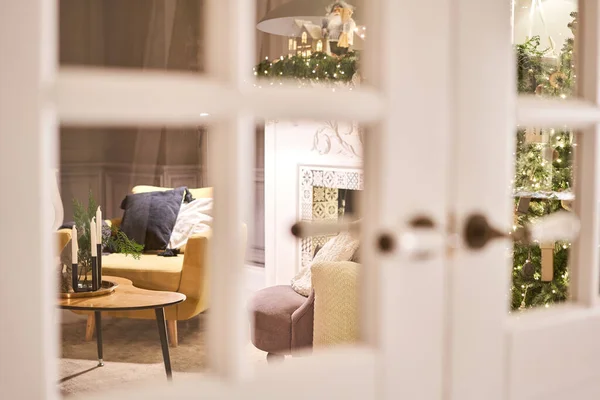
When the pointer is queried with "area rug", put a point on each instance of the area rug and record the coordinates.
(132, 355)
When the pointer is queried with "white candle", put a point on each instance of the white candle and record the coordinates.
(99, 225)
(74, 245)
(93, 232)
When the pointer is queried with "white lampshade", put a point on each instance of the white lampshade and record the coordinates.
(282, 20)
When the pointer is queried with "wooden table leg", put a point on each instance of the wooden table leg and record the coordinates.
(162, 332)
(98, 318)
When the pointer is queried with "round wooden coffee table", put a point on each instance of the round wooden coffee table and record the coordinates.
(127, 297)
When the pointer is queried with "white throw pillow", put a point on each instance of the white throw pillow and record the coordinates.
(194, 217)
(340, 248)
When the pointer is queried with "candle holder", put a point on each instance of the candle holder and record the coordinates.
(99, 262)
(95, 281)
(79, 280)
(80, 264)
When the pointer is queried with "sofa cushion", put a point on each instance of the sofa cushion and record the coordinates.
(194, 218)
(199, 193)
(149, 272)
(271, 312)
(149, 217)
(339, 248)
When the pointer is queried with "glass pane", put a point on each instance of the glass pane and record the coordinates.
(544, 44)
(137, 34)
(543, 181)
(310, 42)
(108, 165)
(314, 170)
(103, 166)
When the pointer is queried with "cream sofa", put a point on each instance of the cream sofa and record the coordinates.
(186, 273)
(336, 319)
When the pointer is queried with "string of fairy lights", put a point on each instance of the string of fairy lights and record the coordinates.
(317, 69)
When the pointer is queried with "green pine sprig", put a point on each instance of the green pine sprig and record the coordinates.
(118, 240)
(318, 67)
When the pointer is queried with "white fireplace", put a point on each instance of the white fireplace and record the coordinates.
(319, 189)
(299, 157)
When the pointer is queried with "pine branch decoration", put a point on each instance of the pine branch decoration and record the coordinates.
(117, 240)
(122, 244)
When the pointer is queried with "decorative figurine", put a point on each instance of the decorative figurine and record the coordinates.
(338, 28)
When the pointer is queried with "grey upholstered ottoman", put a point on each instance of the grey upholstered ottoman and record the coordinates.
(282, 321)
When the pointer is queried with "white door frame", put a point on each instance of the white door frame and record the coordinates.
(28, 150)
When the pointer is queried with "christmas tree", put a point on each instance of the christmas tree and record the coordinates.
(543, 176)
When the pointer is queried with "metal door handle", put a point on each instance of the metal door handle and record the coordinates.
(421, 238)
(557, 226)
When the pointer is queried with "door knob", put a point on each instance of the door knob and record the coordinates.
(557, 226)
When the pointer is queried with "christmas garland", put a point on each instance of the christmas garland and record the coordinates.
(317, 67)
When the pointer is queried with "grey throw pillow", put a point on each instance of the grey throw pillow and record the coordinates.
(149, 218)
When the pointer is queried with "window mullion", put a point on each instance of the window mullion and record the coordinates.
(231, 142)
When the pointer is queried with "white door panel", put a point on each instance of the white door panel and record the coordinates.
(481, 174)
(553, 352)
(407, 177)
